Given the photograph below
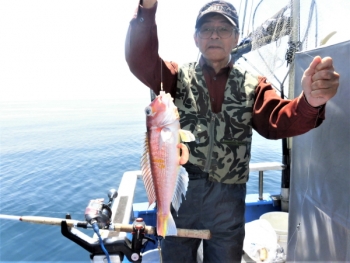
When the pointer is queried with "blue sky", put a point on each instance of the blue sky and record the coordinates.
(74, 49)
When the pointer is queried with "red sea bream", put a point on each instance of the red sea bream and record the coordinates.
(164, 178)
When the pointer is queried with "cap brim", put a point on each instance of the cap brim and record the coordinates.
(228, 18)
(231, 21)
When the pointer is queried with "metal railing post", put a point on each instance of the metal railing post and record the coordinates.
(261, 185)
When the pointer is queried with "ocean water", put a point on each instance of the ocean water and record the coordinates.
(55, 156)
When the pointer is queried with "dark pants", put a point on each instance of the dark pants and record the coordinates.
(214, 206)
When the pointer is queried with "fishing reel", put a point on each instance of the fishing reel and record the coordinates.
(100, 213)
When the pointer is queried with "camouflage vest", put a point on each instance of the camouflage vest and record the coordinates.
(223, 140)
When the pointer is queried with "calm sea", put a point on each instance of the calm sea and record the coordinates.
(55, 156)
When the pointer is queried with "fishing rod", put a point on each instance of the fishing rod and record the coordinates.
(98, 217)
(129, 228)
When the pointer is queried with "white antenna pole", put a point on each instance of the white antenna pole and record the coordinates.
(294, 39)
(287, 143)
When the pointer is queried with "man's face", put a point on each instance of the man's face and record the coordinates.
(216, 48)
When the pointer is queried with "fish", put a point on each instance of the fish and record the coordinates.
(164, 177)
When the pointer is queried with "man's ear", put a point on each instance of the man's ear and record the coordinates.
(235, 41)
(195, 37)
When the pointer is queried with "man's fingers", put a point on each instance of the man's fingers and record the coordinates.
(184, 153)
(325, 93)
(312, 67)
(325, 63)
(323, 77)
(321, 91)
(320, 81)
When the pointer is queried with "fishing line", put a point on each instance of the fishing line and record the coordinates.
(161, 74)
(38, 212)
(159, 238)
(300, 67)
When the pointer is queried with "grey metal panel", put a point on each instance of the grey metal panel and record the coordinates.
(319, 212)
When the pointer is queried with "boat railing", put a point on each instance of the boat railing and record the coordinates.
(124, 202)
(264, 166)
(128, 184)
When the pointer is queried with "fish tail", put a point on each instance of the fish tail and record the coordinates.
(171, 231)
(166, 225)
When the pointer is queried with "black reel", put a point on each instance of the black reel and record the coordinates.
(100, 213)
(97, 211)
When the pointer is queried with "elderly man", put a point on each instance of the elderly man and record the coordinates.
(220, 103)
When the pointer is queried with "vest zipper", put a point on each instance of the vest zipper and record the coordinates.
(211, 143)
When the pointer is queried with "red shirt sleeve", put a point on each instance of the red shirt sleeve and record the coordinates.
(273, 117)
(276, 118)
(141, 53)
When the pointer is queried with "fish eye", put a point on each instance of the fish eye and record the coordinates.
(148, 111)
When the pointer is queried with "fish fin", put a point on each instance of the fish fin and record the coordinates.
(180, 188)
(186, 136)
(147, 174)
(171, 226)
